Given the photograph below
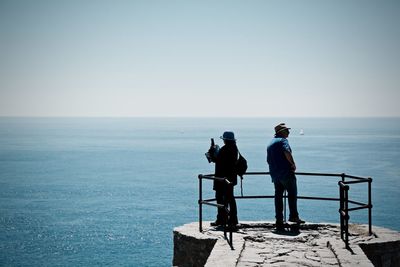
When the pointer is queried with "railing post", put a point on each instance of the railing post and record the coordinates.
(341, 207)
(200, 203)
(231, 239)
(346, 214)
(284, 206)
(369, 206)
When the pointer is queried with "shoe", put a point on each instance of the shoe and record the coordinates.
(296, 220)
(279, 226)
(216, 223)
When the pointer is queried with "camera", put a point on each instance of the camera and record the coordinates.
(212, 153)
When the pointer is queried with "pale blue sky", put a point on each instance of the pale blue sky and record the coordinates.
(199, 58)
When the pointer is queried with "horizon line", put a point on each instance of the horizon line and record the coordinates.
(201, 117)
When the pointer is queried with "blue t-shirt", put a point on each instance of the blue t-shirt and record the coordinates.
(279, 166)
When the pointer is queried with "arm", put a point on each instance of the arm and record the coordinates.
(289, 157)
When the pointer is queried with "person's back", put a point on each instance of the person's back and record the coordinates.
(225, 162)
(279, 167)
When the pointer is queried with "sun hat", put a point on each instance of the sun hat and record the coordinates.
(280, 127)
(230, 136)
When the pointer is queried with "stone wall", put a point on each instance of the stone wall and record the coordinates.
(384, 250)
(190, 248)
(383, 254)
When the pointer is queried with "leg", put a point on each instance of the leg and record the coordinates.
(219, 195)
(291, 188)
(279, 189)
(230, 198)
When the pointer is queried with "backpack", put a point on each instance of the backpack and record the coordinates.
(241, 165)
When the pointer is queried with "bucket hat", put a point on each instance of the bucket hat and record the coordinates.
(281, 127)
(230, 136)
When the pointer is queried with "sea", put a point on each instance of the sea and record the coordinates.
(109, 191)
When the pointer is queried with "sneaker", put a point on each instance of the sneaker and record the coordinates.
(296, 220)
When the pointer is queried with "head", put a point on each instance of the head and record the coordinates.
(228, 137)
(281, 130)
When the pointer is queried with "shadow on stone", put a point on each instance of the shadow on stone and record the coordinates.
(287, 232)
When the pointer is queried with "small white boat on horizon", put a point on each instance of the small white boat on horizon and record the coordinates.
(301, 132)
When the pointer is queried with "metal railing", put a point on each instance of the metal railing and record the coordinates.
(343, 199)
(208, 202)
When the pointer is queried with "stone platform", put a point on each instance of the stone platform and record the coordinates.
(258, 244)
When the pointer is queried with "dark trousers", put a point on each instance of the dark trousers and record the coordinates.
(225, 196)
(290, 186)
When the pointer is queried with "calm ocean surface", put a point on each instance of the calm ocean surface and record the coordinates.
(107, 191)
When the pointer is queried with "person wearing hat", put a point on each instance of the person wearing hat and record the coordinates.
(224, 193)
(282, 168)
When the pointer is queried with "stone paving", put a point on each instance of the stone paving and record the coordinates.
(264, 247)
(312, 245)
(257, 244)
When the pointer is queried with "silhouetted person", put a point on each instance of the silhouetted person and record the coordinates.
(224, 193)
(282, 168)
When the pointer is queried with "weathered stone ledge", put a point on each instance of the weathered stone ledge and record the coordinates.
(257, 244)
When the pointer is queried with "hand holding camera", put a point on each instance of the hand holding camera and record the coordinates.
(212, 153)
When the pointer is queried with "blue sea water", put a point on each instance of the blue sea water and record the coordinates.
(109, 191)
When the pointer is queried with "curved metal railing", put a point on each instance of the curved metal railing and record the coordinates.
(344, 186)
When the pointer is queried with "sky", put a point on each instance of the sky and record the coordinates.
(200, 58)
